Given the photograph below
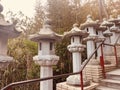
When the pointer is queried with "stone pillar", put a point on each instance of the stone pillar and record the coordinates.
(107, 34)
(90, 47)
(46, 72)
(90, 26)
(3, 44)
(100, 39)
(115, 29)
(118, 25)
(76, 48)
(115, 33)
(107, 49)
(115, 39)
(90, 41)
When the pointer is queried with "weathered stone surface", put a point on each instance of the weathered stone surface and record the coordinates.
(46, 60)
(5, 61)
(75, 80)
(64, 86)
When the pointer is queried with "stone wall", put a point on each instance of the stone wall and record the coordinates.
(94, 72)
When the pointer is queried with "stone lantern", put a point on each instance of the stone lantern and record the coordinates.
(118, 25)
(76, 48)
(107, 34)
(7, 31)
(100, 38)
(90, 26)
(115, 29)
(46, 57)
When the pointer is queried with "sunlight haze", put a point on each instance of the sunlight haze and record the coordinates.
(26, 6)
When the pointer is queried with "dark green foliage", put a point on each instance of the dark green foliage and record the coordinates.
(23, 66)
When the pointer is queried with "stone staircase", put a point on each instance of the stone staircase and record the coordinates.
(112, 81)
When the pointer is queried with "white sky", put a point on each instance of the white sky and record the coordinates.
(26, 6)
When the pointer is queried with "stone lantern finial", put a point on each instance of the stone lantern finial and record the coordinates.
(89, 16)
(47, 23)
(75, 25)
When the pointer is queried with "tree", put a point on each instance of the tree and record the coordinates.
(38, 17)
(22, 50)
(113, 7)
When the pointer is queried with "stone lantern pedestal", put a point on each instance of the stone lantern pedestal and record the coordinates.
(5, 61)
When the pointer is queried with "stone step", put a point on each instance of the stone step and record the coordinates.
(114, 75)
(110, 83)
(105, 88)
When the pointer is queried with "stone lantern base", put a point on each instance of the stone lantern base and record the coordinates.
(65, 86)
(5, 61)
(75, 81)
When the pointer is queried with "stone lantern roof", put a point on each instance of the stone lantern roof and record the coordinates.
(107, 33)
(101, 28)
(7, 28)
(45, 33)
(114, 20)
(89, 23)
(115, 29)
(101, 38)
(106, 23)
(75, 31)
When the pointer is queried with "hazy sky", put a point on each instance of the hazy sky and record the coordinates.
(26, 6)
